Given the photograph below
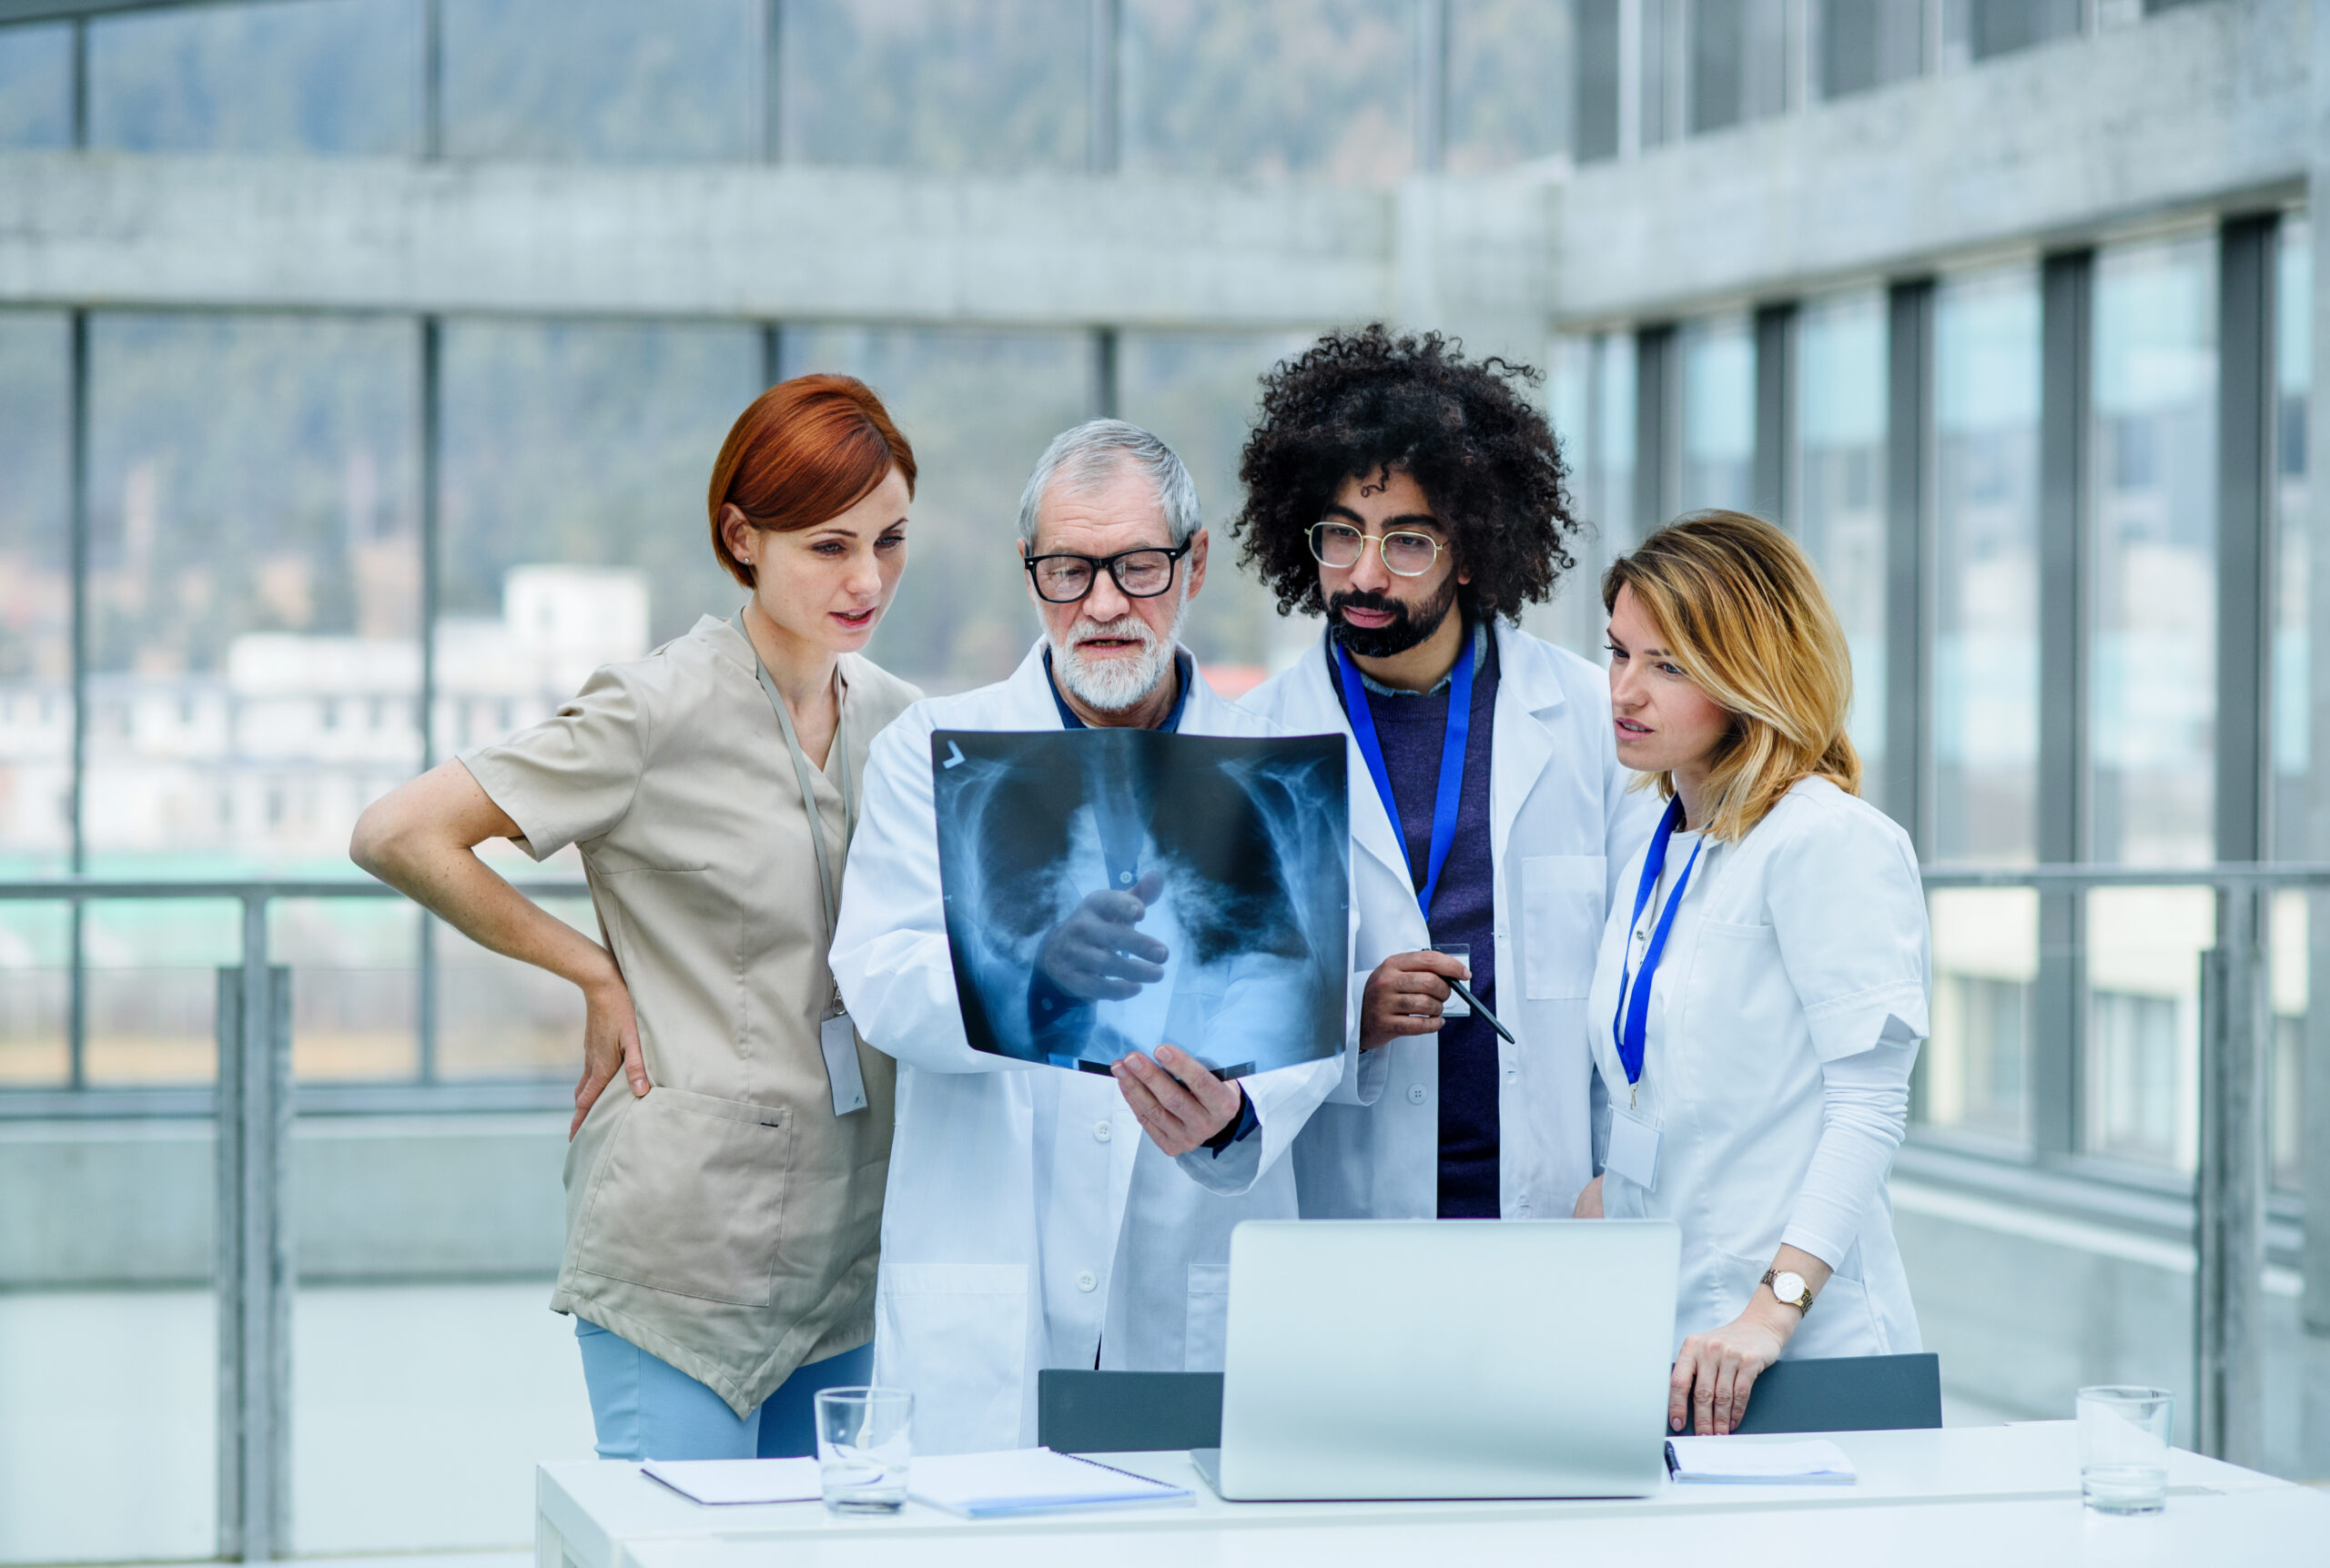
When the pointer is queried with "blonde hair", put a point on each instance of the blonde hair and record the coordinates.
(1743, 613)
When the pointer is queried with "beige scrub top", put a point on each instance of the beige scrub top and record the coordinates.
(728, 1222)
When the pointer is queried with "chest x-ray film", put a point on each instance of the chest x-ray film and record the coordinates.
(1109, 891)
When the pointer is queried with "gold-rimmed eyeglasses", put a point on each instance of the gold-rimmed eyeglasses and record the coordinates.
(1405, 553)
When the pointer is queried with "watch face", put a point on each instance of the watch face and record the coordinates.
(1788, 1287)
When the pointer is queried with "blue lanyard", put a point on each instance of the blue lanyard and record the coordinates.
(1628, 1024)
(1451, 793)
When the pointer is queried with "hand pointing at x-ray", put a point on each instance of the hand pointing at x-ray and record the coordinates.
(1097, 954)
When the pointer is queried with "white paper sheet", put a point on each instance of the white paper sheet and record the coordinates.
(736, 1481)
(1748, 1462)
(1028, 1480)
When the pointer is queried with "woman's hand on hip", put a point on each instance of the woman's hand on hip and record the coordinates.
(1589, 1202)
(1708, 1387)
(610, 1042)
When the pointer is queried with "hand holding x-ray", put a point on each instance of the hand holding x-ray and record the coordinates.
(1097, 953)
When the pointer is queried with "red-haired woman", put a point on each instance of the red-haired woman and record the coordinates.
(724, 1213)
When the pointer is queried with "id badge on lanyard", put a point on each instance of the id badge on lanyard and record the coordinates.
(836, 1033)
(1634, 1132)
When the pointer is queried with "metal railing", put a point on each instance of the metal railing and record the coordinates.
(254, 1104)
(255, 1100)
(2231, 1180)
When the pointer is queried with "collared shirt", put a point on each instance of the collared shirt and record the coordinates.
(1184, 672)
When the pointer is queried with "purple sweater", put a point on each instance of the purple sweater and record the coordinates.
(1411, 728)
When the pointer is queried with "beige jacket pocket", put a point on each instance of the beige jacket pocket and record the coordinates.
(689, 1198)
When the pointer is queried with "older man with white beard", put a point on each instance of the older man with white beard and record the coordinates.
(1038, 1216)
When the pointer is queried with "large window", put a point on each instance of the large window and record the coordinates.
(1509, 96)
(1839, 489)
(2153, 685)
(1985, 690)
(1863, 44)
(36, 595)
(603, 79)
(980, 408)
(1197, 392)
(949, 85)
(288, 76)
(36, 85)
(1317, 87)
(1718, 356)
(254, 587)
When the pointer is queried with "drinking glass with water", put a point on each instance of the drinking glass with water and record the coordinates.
(864, 1442)
(2124, 1447)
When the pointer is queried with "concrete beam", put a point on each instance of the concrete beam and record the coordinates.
(2202, 108)
(724, 241)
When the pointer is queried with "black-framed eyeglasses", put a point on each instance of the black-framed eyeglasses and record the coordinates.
(1143, 573)
(1405, 553)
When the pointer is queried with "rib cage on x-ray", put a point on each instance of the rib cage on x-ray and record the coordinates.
(1250, 838)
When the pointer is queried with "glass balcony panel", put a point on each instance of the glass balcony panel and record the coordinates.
(2142, 1072)
(1973, 1073)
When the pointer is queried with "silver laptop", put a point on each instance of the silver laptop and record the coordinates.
(1435, 1359)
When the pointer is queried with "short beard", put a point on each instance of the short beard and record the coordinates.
(1404, 630)
(1112, 685)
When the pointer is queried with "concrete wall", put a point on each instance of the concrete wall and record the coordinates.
(720, 240)
(99, 1204)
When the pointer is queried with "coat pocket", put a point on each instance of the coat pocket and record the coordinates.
(1205, 1334)
(689, 1198)
(956, 1334)
(1561, 898)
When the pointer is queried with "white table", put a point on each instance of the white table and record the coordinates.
(1972, 1497)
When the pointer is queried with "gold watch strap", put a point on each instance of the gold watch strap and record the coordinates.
(1802, 1303)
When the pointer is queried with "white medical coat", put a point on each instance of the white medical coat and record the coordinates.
(1804, 942)
(1028, 1221)
(1561, 821)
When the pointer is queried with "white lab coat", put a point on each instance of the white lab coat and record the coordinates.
(1561, 821)
(1802, 943)
(1029, 1222)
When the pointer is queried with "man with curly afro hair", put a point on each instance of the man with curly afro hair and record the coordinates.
(1417, 499)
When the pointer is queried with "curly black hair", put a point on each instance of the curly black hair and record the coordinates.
(1358, 404)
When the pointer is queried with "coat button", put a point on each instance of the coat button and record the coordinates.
(1103, 1132)
(1415, 1094)
(1088, 1280)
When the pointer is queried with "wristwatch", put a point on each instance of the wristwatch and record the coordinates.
(1789, 1287)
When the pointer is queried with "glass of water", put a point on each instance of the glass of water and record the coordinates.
(2124, 1447)
(864, 1440)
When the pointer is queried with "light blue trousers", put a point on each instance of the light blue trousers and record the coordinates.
(646, 1408)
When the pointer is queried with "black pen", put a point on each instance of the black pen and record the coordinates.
(1464, 995)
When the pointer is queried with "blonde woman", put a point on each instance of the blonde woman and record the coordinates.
(1762, 983)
